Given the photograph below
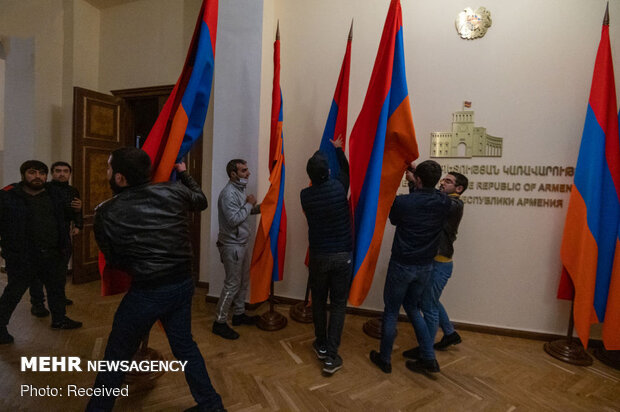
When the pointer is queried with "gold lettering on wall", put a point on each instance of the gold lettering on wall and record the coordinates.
(532, 181)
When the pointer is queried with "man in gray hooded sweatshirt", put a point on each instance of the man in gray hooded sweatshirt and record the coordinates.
(234, 208)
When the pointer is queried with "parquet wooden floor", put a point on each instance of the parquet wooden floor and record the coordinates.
(278, 371)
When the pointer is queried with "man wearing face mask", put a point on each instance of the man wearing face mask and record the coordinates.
(234, 207)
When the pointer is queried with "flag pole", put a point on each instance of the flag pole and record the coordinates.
(302, 311)
(272, 320)
(568, 349)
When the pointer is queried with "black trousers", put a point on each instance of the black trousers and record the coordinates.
(50, 268)
(330, 275)
(37, 297)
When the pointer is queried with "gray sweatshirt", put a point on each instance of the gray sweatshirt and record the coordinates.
(233, 212)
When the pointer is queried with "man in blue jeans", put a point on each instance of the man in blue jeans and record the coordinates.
(418, 217)
(143, 230)
(453, 184)
(329, 233)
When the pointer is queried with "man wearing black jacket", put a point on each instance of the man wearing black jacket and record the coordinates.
(329, 233)
(453, 184)
(61, 173)
(419, 218)
(144, 230)
(34, 244)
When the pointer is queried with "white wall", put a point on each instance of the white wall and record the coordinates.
(142, 44)
(42, 21)
(236, 109)
(86, 50)
(529, 80)
(20, 112)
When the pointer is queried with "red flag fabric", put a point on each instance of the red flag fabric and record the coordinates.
(590, 244)
(270, 245)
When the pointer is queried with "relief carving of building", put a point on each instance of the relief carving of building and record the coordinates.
(465, 140)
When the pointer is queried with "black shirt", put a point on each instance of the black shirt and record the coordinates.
(42, 229)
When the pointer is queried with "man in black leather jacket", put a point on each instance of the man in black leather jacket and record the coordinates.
(143, 230)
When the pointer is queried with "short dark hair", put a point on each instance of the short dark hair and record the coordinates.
(429, 173)
(61, 163)
(318, 168)
(132, 163)
(232, 165)
(460, 180)
(33, 164)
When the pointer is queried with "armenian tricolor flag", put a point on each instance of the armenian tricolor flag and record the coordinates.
(181, 121)
(270, 244)
(337, 118)
(590, 245)
(336, 125)
(381, 147)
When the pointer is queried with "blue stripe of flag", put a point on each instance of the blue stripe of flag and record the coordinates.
(195, 99)
(594, 182)
(366, 210)
(398, 87)
(326, 147)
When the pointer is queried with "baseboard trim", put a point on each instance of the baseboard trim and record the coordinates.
(472, 327)
(203, 285)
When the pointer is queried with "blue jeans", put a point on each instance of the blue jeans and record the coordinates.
(404, 285)
(136, 314)
(434, 313)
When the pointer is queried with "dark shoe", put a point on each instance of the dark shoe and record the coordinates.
(66, 323)
(321, 351)
(68, 302)
(39, 311)
(375, 357)
(332, 364)
(448, 340)
(423, 366)
(5, 336)
(243, 319)
(413, 353)
(225, 331)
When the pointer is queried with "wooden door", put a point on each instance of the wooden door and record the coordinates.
(98, 129)
(143, 106)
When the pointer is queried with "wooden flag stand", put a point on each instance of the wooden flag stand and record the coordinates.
(569, 350)
(145, 353)
(271, 320)
(302, 311)
(372, 328)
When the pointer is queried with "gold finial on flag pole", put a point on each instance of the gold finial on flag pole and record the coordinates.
(278, 31)
(351, 31)
(606, 18)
